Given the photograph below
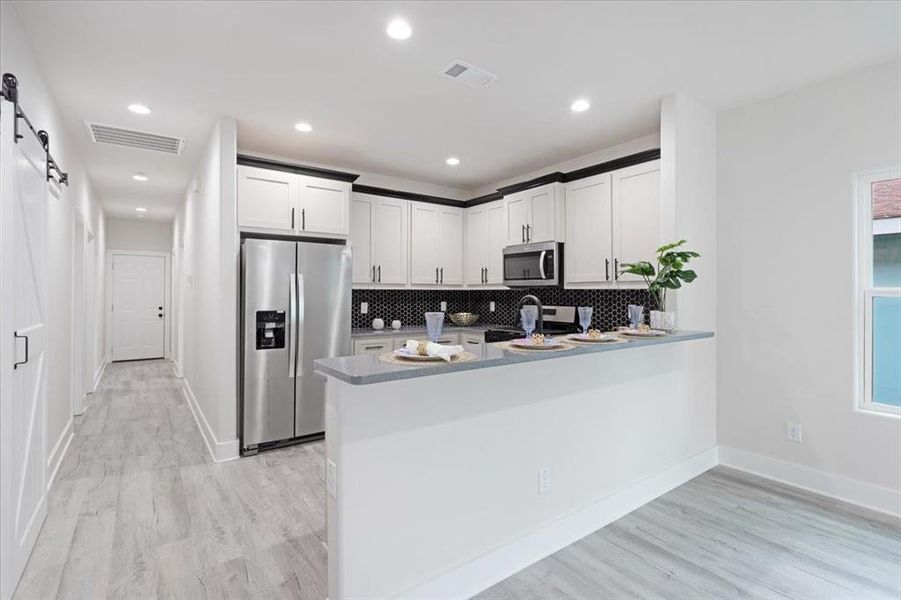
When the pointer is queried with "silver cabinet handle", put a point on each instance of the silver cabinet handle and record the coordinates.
(303, 219)
(528, 233)
(436, 274)
(16, 336)
(380, 273)
(523, 234)
(379, 347)
(372, 277)
(606, 269)
(292, 325)
(616, 269)
(442, 274)
(292, 217)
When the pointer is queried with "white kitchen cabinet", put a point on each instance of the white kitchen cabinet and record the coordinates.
(473, 342)
(436, 244)
(373, 346)
(589, 231)
(612, 219)
(379, 237)
(484, 238)
(266, 199)
(536, 215)
(324, 206)
(446, 339)
(284, 202)
(636, 215)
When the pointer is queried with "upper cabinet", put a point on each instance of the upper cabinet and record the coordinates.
(436, 244)
(612, 219)
(484, 238)
(283, 202)
(379, 238)
(536, 215)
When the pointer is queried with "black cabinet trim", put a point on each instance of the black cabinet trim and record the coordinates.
(532, 183)
(613, 165)
(275, 165)
(401, 195)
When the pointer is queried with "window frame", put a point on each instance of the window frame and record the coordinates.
(866, 292)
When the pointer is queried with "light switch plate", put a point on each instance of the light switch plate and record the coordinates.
(443, 305)
(491, 306)
(364, 308)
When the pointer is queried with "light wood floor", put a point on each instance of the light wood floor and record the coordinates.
(724, 535)
(139, 511)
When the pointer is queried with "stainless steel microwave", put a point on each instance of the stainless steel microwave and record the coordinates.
(533, 265)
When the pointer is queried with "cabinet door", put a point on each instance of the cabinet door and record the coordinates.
(472, 342)
(519, 214)
(636, 214)
(542, 226)
(362, 222)
(423, 258)
(589, 245)
(475, 245)
(324, 206)
(450, 245)
(391, 241)
(497, 239)
(376, 346)
(266, 198)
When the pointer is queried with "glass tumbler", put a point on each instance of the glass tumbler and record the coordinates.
(585, 317)
(636, 315)
(529, 315)
(434, 323)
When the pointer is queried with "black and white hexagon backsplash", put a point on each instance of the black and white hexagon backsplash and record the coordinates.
(409, 306)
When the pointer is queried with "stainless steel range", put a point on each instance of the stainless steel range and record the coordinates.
(558, 320)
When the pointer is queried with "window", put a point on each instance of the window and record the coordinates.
(879, 203)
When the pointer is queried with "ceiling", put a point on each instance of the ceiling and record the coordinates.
(383, 106)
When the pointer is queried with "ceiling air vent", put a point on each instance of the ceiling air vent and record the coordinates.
(469, 74)
(119, 136)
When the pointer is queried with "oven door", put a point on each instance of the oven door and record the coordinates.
(532, 265)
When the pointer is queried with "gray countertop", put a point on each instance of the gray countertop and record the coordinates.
(367, 369)
(369, 332)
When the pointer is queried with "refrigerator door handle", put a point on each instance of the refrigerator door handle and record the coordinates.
(292, 325)
(299, 329)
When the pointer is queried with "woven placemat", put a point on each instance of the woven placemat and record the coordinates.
(389, 357)
(508, 346)
(617, 340)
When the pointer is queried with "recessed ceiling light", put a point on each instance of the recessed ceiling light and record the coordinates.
(580, 105)
(139, 177)
(453, 161)
(398, 29)
(304, 127)
(139, 109)
(141, 209)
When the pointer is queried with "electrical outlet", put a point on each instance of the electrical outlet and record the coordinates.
(491, 306)
(331, 478)
(364, 308)
(793, 432)
(443, 306)
(544, 481)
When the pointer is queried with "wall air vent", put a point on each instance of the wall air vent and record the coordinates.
(469, 74)
(120, 136)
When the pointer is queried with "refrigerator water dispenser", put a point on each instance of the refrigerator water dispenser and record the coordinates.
(270, 329)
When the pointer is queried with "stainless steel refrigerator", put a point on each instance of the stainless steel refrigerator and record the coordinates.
(296, 308)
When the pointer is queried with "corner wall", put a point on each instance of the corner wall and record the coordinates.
(786, 274)
(206, 291)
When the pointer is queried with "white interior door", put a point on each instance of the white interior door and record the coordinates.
(138, 309)
(90, 315)
(23, 376)
(78, 316)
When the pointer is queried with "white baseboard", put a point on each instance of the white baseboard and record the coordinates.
(834, 486)
(98, 374)
(58, 453)
(471, 578)
(219, 451)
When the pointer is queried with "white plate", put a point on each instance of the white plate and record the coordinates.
(644, 334)
(407, 355)
(528, 345)
(583, 337)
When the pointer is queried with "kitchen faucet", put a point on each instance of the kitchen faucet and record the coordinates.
(534, 299)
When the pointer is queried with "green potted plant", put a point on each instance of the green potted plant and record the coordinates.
(669, 274)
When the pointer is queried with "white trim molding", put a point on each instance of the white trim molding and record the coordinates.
(477, 575)
(838, 487)
(98, 374)
(56, 456)
(219, 451)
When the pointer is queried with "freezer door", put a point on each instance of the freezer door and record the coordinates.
(323, 315)
(269, 268)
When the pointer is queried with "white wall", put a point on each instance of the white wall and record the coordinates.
(136, 234)
(79, 198)
(787, 315)
(207, 290)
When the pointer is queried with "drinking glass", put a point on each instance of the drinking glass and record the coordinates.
(636, 315)
(585, 318)
(529, 315)
(434, 323)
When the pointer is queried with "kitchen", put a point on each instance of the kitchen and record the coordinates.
(450, 300)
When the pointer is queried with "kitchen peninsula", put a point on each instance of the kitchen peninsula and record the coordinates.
(443, 478)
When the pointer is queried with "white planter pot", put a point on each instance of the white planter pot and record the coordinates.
(664, 321)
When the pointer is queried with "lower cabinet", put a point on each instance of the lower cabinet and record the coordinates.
(448, 339)
(378, 346)
(471, 342)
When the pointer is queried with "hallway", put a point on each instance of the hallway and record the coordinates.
(138, 510)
